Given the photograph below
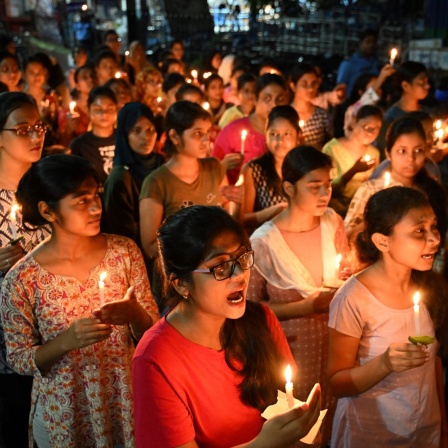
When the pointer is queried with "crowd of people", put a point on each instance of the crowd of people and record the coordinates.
(172, 237)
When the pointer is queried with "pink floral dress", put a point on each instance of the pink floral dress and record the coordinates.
(87, 395)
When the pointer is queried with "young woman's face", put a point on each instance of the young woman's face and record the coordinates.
(103, 112)
(113, 42)
(247, 95)
(407, 157)
(195, 142)
(175, 67)
(35, 75)
(106, 70)
(178, 51)
(9, 73)
(366, 130)
(194, 97)
(306, 87)
(86, 80)
(23, 149)
(215, 90)
(122, 93)
(269, 97)
(80, 58)
(418, 87)
(153, 85)
(224, 299)
(311, 194)
(142, 136)
(281, 137)
(79, 213)
(415, 239)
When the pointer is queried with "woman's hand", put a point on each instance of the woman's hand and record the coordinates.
(83, 332)
(361, 165)
(9, 255)
(232, 160)
(401, 357)
(233, 193)
(288, 428)
(120, 312)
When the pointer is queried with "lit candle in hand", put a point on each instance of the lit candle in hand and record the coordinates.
(101, 286)
(337, 266)
(393, 55)
(416, 300)
(117, 75)
(13, 219)
(289, 386)
(232, 205)
(243, 141)
(206, 106)
(366, 158)
(72, 106)
(194, 73)
(386, 179)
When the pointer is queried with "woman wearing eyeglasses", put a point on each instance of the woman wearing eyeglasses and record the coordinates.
(204, 374)
(134, 160)
(21, 140)
(354, 157)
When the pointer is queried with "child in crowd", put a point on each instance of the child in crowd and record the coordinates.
(214, 89)
(98, 144)
(106, 66)
(389, 390)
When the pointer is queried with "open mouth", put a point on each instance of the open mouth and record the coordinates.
(428, 257)
(235, 297)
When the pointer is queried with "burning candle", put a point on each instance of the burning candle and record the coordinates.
(243, 141)
(386, 179)
(438, 124)
(126, 53)
(301, 124)
(207, 75)
(118, 75)
(232, 205)
(101, 287)
(289, 387)
(72, 106)
(206, 106)
(416, 300)
(194, 73)
(13, 219)
(159, 99)
(393, 55)
(337, 266)
(439, 135)
(366, 158)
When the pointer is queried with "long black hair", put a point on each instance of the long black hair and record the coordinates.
(184, 240)
(384, 210)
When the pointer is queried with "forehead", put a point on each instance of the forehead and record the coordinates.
(227, 242)
(281, 123)
(24, 114)
(201, 123)
(308, 77)
(319, 175)
(102, 101)
(107, 61)
(143, 121)
(272, 89)
(8, 61)
(416, 215)
(412, 139)
(423, 76)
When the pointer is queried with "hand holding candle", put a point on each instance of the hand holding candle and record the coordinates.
(72, 106)
(101, 286)
(243, 141)
(289, 387)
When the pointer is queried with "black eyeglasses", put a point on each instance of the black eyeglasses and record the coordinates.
(226, 269)
(28, 131)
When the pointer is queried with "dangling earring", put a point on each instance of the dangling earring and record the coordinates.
(185, 296)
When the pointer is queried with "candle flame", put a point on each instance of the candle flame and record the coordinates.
(206, 106)
(103, 275)
(386, 179)
(393, 53)
(207, 75)
(72, 106)
(126, 53)
(439, 134)
(194, 73)
(337, 263)
(243, 134)
(159, 99)
(416, 298)
(288, 373)
(117, 75)
(240, 181)
(14, 209)
(367, 158)
(301, 123)
(438, 124)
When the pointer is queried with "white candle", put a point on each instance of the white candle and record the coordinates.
(194, 73)
(337, 266)
(101, 287)
(243, 140)
(289, 386)
(301, 124)
(13, 219)
(366, 158)
(72, 106)
(416, 300)
(206, 106)
(393, 55)
(207, 75)
(386, 179)
(232, 205)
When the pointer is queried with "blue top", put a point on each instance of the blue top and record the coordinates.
(358, 64)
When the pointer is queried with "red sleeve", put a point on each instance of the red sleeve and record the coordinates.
(154, 422)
